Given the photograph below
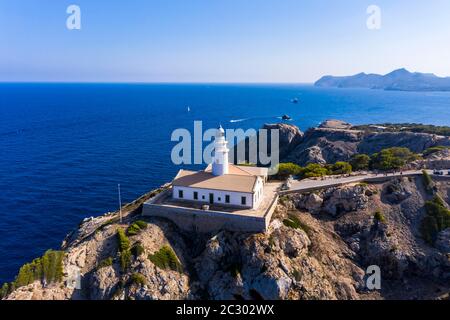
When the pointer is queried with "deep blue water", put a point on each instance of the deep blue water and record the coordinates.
(65, 147)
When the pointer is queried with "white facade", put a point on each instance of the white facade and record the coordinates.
(221, 197)
(220, 159)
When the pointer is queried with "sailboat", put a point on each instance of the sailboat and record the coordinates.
(189, 109)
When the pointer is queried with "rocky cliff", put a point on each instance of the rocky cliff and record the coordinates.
(336, 141)
(319, 246)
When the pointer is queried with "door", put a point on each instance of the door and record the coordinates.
(211, 198)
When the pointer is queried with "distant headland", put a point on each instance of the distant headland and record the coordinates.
(399, 80)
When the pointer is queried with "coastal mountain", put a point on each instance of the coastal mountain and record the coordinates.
(400, 80)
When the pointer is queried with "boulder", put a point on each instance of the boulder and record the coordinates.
(345, 199)
(290, 136)
(335, 124)
(311, 202)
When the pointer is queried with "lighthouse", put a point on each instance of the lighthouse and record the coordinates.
(220, 159)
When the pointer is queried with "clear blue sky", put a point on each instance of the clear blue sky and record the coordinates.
(219, 40)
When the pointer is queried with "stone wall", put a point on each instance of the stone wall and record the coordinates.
(210, 221)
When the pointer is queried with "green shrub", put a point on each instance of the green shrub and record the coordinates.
(392, 158)
(435, 149)
(287, 169)
(295, 223)
(437, 218)
(136, 227)
(290, 223)
(379, 217)
(125, 260)
(137, 250)
(341, 167)
(360, 162)
(122, 240)
(48, 268)
(297, 275)
(166, 258)
(4, 290)
(427, 182)
(141, 224)
(124, 249)
(313, 170)
(138, 279)
(105, 263)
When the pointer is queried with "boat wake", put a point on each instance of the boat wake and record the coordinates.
(254, 118)
(239, 120)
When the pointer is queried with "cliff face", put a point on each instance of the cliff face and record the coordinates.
(337, 141)
(318, 247)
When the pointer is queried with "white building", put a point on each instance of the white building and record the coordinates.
(221, 183)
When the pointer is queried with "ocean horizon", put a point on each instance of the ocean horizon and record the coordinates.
(66, 146)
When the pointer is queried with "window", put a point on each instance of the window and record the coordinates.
(243, 201)
(219, 199)
(195, 195)
(180, 194)
(227, 198)
(203, 197)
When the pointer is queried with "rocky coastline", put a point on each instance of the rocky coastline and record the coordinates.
(318, 246)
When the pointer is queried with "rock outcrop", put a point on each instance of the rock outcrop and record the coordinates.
(324, 255)
(336, 141)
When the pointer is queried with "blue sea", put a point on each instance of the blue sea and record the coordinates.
(65, 147)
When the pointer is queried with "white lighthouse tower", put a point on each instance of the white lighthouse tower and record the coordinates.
(220, 159)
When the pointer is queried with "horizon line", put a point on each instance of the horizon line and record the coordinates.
(154, 82)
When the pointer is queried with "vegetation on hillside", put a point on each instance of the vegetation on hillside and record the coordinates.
(124, 249)
(433, 150)
(48, 269)
(314, 170)
(287, 169)
(427, 182)
(138, 279)
(136, 227)
(391, 159)
(137, 249)
(379, 216)
(165, 258)
(360, 162)
(292, 221)
(437, 218)
(105, 263)
(387, 159)
(340, 167)
(408, 127)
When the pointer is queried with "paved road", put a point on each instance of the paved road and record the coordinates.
(330, 181)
